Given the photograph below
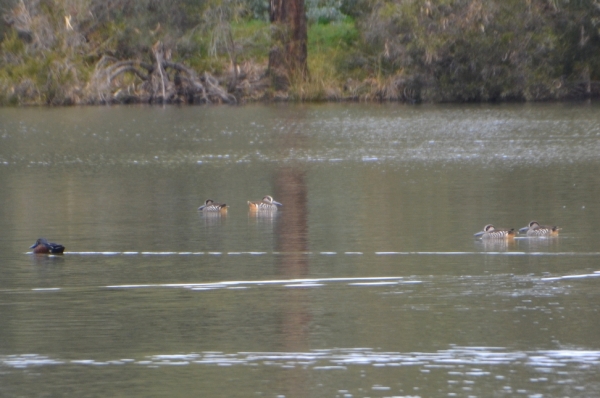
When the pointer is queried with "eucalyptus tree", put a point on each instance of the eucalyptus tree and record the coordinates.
(288, 55)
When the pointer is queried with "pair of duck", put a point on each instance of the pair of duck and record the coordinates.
(266, 204)
(42, 246)
(533, 229)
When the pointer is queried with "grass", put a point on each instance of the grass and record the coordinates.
(254, 38)
(329, 46)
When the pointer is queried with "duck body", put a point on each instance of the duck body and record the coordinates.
(42, 246)
(534, 229)
(211, 206)
(266, 204)
(490, 232)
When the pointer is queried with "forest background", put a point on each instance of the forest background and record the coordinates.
(64, 52)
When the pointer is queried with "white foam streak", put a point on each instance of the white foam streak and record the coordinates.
(580, 276)
(333, 253)
(459, 361)
(222, 284)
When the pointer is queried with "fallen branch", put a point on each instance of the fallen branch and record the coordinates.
(161, 81)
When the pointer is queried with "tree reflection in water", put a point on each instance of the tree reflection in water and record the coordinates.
(292, 244)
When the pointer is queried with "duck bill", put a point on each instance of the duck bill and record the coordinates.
(201, 207)
(276, 203)
(33, 246)
(478, 234)
(523, 230)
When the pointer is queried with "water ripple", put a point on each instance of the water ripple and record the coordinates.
(468, 360)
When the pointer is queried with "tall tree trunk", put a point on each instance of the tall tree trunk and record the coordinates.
(287, 59)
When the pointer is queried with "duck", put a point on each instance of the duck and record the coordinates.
(267, 203)
(490, 232)
(535, 229)
(210, 206)
(42, 246)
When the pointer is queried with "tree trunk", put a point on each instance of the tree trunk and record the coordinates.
(288, 55)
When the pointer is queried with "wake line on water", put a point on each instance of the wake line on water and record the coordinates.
(290, 283)
(460, 361)
(304, 282)
(295, 283)
(327, 253)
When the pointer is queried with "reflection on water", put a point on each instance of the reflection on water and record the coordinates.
(495, 245)
(292, 240)
(366, 282)
(212, 219)
(541, 244)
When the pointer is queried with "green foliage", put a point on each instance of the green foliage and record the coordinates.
(253, 36)
(355, 8)
(485, 50)
(259, 9)
(332, 51)
(342, 34)
(12, 45)
(329, 47)
(323, 11)
(434, 50)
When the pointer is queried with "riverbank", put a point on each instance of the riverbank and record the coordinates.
(189, 52)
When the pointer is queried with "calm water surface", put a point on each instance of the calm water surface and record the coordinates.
(367, 283)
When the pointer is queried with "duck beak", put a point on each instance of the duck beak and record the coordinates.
(478, 234)
(523, 230)
(201, 207)
(33, 246)
(277, 203)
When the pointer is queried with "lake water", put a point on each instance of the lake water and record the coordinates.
(367, 283)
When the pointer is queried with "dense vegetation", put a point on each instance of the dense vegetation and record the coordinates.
(102, 51)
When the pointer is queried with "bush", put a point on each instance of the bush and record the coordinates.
(485, 50)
